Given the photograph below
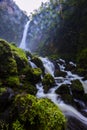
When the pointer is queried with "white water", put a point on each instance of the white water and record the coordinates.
(67, 109)
(49, 67)
(23, 41)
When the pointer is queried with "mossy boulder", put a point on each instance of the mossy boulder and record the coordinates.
(15, 69)
(63, 89)
(48, 82)
(36, 60)
(20, 57)
(59, 73)
(64, 92)
(33, 75)
(82, 59)
(77, 89)
(27, 87)
(6, 97)
(7, 63)
(40, 114)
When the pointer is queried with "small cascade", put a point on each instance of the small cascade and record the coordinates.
(49, 67)
(23, 41)
(32, 64)
(68, 110)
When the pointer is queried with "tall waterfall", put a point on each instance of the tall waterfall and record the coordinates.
(23, 41)
(49, 68)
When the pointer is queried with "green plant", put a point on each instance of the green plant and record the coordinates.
(39, 114)
(17, 125)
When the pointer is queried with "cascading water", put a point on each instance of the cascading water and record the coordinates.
(23, 41)
(67, 109)
(49, 68)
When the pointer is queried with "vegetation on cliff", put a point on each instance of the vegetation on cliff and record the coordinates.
(20, 109)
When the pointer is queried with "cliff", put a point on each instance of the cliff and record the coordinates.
(12, 21)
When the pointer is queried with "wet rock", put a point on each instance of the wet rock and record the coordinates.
(77, 89)
(48, 82)
(59, 73)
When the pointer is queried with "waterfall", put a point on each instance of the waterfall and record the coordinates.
(66, 109)
(49, 67)
(23, 41)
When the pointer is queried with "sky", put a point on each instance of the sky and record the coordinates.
(29, 5)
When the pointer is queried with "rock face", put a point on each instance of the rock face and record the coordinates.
(12, 21)
(63, 33)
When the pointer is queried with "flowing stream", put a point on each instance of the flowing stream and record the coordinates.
(68, 110)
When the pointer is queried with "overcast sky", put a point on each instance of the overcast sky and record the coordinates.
(29, 5)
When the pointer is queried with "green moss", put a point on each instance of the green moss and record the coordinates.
(54, 56)
(3, 125)
(77, 89)
(40, 114)
(82, 58)
(36, 71)
(28, 88)
(2, 90)
(33, 74)
(19, 52)
(77, 85)
(48, 82)
(38, 62)
(13, 81)
(17, 125)
(12, 66)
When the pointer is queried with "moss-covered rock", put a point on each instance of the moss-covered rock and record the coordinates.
(63, 89)
(38, 62)
(27, 87)
(64, 92)
(77, 89)
(48, 82)
(59, 73)
(12, 81)
(20, 57)
(3, 125)
(17, 125)
(32, 74)
(39, 114)
(8, 66)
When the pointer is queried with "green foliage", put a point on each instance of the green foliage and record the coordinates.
(38, 62)
(2, 90)
(3, 125)
(36, 71)
(41, 114)
(48, 82)
(77, 85)
(19, 52)
(82, 58)
(17, 125)
(13, 81)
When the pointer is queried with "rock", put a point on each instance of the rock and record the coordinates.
(12, 21)
(48, 82)
(63, 89)
(70, 67)
(59, 73)
(77, 89)
(38, 114)
(38, 62)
